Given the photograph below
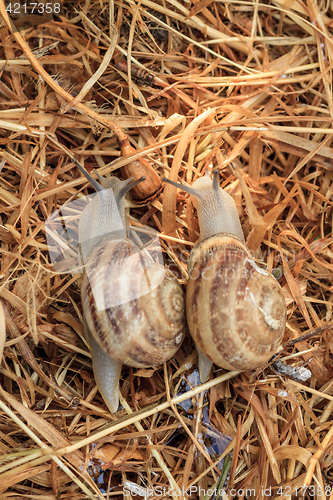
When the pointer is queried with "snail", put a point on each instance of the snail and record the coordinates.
(236, 311)
(133, 308)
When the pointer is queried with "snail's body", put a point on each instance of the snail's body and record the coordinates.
(235, 310)
(133, 308)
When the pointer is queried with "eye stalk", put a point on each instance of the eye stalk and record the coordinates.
(217, 211)
(128, 186)
(92, 181)
(183, 187)
(216, 183)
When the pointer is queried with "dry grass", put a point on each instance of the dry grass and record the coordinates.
(239, 85)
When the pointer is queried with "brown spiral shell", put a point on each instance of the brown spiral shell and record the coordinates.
(133, 320)
(236, 312)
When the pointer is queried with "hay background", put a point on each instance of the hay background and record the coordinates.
(243, 86)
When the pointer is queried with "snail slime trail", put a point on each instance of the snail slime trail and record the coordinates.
(133, 307)
(236, 311)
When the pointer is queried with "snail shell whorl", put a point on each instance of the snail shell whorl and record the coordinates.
(137, 310)
(245, 312)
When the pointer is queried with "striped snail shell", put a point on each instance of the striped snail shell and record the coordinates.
(236, 311)
(135, 321)
(133, 308)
